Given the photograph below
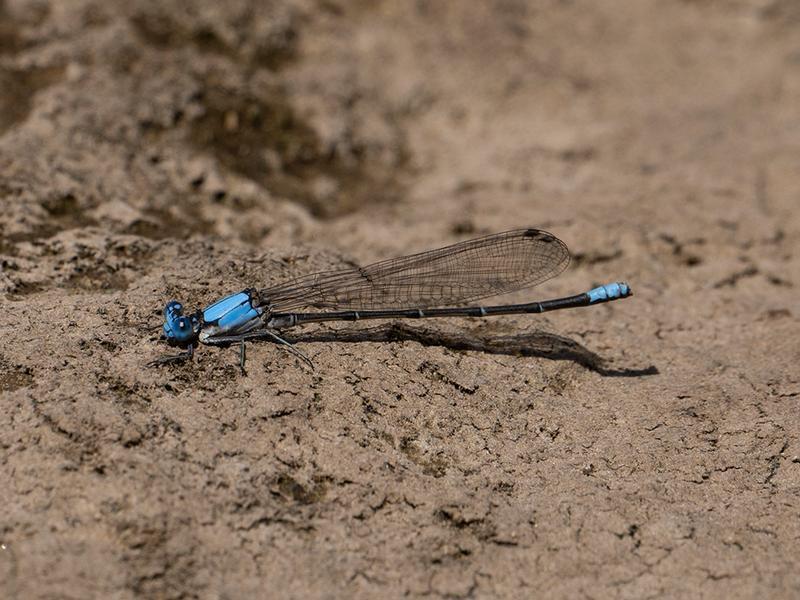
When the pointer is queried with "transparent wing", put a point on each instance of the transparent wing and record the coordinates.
(464, 272)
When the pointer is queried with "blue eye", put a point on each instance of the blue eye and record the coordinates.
(177, 327)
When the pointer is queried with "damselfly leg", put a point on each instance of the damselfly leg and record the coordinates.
(173, 358)
(261, 334)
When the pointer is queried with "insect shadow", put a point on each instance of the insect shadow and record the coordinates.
(538, 344)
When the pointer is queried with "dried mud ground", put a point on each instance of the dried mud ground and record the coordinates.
(648, 448)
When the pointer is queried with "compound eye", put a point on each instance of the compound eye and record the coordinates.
(173, 309)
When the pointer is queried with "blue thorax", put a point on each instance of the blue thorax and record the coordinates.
(230, 315)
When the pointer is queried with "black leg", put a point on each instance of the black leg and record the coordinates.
(242, 357)
(172, 359)
(262, 334)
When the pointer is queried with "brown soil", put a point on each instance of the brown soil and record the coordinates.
(154, 149)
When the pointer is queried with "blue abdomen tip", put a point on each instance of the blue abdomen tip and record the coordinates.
(609, 291)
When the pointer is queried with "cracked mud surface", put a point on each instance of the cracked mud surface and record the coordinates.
(152, 150)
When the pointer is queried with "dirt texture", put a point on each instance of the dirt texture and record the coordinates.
(160, 149)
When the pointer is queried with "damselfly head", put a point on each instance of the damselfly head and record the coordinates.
(179, 329)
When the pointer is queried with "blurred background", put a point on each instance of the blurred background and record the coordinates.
(378, 127)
